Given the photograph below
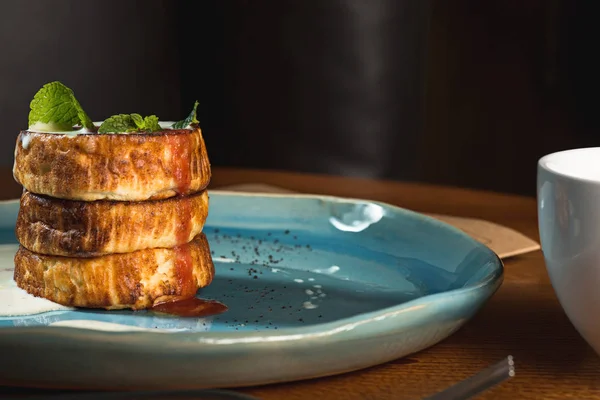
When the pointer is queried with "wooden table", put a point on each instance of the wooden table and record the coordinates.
(523, 318)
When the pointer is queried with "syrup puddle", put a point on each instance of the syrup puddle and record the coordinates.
(191, 308)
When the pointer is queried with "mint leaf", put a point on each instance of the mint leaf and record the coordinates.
(84, 119)
(151, 123)
(138, 121)
(120, 123)
(56, 104)
(191, 119)
(127, 123)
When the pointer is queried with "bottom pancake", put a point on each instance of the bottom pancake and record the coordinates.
(136, 280)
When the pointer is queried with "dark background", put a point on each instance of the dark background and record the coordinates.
(462, 92)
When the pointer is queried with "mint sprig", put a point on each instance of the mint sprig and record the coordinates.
(55, 105)
(149, 123)
(128, 123)
(191, 119)
(55, 108)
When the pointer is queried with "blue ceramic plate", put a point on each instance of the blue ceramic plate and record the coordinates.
(315, 286)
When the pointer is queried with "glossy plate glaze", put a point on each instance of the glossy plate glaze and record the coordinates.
(315, 286)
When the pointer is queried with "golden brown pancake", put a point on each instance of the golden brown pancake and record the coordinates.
(59, 227)
(133, 280)
(125, 167)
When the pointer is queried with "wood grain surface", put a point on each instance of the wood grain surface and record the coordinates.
(523, 318)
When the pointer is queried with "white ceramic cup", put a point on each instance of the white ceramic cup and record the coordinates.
(568, 197)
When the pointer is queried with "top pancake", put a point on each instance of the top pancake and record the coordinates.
(120, 167)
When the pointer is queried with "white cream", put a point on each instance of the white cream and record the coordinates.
(40, 127)
(25, 140)
(14, 301)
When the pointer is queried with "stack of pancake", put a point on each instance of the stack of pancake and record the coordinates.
(113, 221)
